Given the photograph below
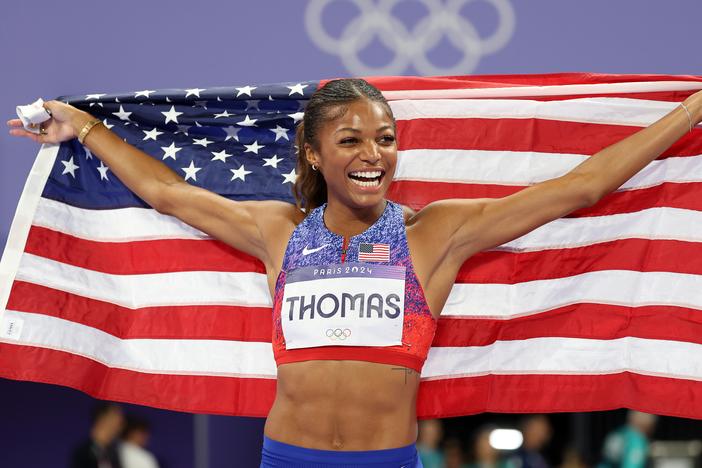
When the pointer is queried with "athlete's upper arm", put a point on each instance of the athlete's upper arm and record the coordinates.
(467, 226)
(244, 225)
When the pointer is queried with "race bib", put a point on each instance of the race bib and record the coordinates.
(346, 304)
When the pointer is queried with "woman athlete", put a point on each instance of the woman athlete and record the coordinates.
(342, 405)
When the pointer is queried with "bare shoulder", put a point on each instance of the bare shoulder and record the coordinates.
(444, 216)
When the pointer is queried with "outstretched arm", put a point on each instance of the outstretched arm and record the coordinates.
(235, 223)
(470, 226)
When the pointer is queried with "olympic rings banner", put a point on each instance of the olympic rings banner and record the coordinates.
(378, 21)
(599, 310)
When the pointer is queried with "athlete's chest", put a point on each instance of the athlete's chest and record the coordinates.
(338, 290)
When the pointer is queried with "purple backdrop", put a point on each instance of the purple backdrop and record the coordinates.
(55, 48)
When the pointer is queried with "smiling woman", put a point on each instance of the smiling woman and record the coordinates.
(329, 104)
(358, 282)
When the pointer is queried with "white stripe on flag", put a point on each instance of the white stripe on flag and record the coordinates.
(651, 223)
(555, 355)
(146, 290)
(211, 357)
(116, 225)
(617, 287)
(609, 111)
(525, 168)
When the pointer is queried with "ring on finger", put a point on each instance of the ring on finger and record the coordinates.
(42, 130)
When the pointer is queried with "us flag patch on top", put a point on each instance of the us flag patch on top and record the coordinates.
(373, 252)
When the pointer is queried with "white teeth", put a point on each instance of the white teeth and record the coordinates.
(363, 183)
(367, 175)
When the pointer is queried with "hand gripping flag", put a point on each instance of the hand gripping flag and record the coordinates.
(601, 309)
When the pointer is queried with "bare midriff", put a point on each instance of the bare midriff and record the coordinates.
(344, 405)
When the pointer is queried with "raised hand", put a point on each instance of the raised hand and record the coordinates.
(62, 125)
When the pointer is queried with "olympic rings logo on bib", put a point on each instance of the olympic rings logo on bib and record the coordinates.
(338, 333)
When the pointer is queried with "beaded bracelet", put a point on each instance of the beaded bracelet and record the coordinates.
(689, 116)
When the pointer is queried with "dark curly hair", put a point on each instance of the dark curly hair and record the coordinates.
(327, 103)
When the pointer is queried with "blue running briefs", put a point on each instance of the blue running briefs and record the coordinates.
(278, 455)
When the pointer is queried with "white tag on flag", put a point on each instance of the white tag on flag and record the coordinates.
(11, 328)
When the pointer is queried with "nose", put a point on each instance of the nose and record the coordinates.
(370, 152)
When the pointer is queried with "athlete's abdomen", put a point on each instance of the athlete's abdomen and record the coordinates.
(344, 405)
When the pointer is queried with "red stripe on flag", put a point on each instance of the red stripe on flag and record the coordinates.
(416, 194)
(216, 322)
(194, 393)
(557, 393)
(503, 267)
(148, 256)
(584, 320)
(527, 135)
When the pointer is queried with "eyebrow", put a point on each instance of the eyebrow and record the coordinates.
(384, 127)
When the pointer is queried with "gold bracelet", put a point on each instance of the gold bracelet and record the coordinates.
(86, 128)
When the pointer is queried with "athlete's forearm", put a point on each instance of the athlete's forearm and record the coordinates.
(608, 169)
(142, 174)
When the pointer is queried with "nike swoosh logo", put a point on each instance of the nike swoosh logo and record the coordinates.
(307, 251)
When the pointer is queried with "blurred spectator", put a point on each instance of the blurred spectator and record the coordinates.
(536, 430)
(453, 454)
(627, 447)
(98, 451)
(430, 433)
(132, 450)
(572, 458)
(484, 455)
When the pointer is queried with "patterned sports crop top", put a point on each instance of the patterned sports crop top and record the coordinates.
(352, 298)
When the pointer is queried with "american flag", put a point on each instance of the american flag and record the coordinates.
(601, 309)
(373, 252)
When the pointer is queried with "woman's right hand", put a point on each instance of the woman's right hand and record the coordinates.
(64, 124)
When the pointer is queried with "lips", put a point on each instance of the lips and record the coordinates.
(367, 178)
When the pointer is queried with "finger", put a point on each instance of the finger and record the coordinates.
(14, 123)
(33, 136)
(23, 132)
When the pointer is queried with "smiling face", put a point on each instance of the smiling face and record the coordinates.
(357, 154)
